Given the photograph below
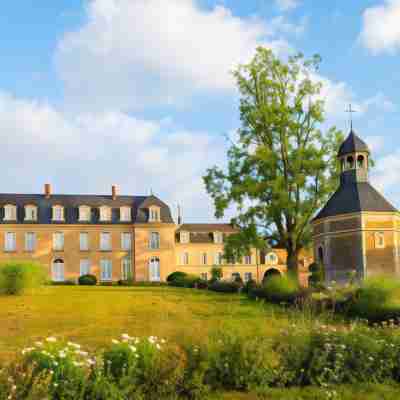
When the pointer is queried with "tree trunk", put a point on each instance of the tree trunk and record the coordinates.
(293, 264)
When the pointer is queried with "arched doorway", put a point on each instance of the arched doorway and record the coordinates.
(269, 273)
(57, 271)
(154, 269)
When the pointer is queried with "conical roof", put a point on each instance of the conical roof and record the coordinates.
(352, 144)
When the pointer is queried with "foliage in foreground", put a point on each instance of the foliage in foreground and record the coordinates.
(151, 368)
(18, 276)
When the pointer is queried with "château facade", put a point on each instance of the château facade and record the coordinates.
(117, 237)
(358, 230)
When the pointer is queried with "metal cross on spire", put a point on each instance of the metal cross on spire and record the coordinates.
(351, 111)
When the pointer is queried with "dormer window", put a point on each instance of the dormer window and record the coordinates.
(218, 237)
(184, 237)
(58, 213)
(154, 214)
(84, 213)
(125, 214)
(272, 258)
(10, 212)
(30, 213)
(105, 213)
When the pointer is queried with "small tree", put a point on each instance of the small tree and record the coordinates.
(216, 273)
(281, 168)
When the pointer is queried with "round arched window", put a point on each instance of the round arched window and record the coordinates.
(360, 161)
(272, 258)
(350, 162)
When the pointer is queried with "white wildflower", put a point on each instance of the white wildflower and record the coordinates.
(51, 339)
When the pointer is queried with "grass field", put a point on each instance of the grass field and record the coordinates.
(92, 316)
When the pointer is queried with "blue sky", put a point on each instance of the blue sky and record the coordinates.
(138, 92)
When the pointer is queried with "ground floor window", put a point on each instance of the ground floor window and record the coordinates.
(203, 276)
(57, 270)
(84, 267)
(126, 268)
(248, 276)
(235, 276)
(105, 270)
(154, 269)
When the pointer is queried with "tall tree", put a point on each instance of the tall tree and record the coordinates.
(281, 166)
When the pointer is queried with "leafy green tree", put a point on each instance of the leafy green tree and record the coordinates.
(281, 167)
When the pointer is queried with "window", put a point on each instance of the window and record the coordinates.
(204, 259)
(10, 243)
(105, 213)
(84, 267)
(218, 258)
(84, 241)
(125, 214)
(350, 162)
(58, 270)
(203, 276)
(154, 214)
(218, 237)
(379, 240)
(185, 258)
(84, 213)
(154, 240)
(30, 213)
(105, 270)
(247, 259)
(58, 213)
(248, 276)
(126, 270)
(10, 212)
(105, 241)
(126, 241)
(154, 269)
(360, 161)
(184, 237)
(235, 275)
(58, 241)
(321, 255)
(272, 258)
(30, 241)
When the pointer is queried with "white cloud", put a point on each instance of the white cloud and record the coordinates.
(133, 53)
(385, 175)
(286, 5)
(381, 28)
(88, 152)
(375, 143)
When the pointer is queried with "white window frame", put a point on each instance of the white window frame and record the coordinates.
(185, 258)
(218, 237)
(84, 243)
(154, 244)
(126, 267)
(58, 213)
(30, 241)
(84, 266)
(105, 213)
(379, 240)
(10, 212)
(204, 276)
(125, 214)
(105, 245)
(58, 241)
(105, 270)
(154, 269)
(247, 259)
(271, 258)
(31, 213)
(85, 213)
(184, 237)
(218, 258)
(10, 241)
(58, 275)
(126, 241)
(248, 276)
(154, 214)
(204, 258)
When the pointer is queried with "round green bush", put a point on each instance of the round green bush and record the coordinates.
(87, 280)
(176, 275)
(281, 289)
(224, 287)
(16, 277)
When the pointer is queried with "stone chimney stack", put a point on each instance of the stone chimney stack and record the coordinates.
(114, 192)
(47, 190)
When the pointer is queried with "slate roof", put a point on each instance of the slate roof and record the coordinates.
(355, 197)
(352, 144)
(204, 228)
(139, 207)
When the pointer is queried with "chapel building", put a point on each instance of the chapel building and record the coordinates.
(357, 231)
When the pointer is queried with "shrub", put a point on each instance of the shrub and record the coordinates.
(281, 289)
(125, 282)
(87, 280)
(188, 281)
(374, 300)
(177, 275)
(68, 282)
(224, 287)
(16, 277)
(317, 277)
(249, 286)
(201, 284)
(216, 273)
(108, 283)
(238, 279)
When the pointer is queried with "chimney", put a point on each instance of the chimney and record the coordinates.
(114, 192)
(47, 190)
(179, 215)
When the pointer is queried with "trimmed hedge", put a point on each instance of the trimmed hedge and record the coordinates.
(87, 280)
(176, 276)
(224, 287)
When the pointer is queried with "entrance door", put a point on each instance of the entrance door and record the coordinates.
(58, 270)
(154, 269)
